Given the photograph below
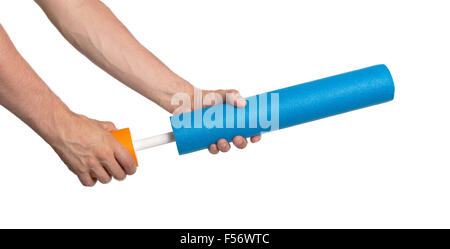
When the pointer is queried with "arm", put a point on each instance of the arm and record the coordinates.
(94, 30)
(94, 156)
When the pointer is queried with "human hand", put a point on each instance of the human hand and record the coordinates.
(234, 98)
(90, 151)
(210, 98)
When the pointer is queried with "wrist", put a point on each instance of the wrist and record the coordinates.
(50, 124)
(176, 87)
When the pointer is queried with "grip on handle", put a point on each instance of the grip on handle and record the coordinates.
(124, 137)
(291, 106)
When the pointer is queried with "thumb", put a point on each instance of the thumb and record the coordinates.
(108, 126)
(232, 97)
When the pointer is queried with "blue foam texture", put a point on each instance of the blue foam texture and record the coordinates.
(297, 104)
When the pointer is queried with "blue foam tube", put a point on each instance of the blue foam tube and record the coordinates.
(297, 104)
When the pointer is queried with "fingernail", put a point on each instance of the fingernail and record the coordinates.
(239, 142)
(222, 145)
(242, 102)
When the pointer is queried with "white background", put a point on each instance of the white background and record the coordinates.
(384, 166)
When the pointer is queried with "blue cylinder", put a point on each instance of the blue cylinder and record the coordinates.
(283, 108)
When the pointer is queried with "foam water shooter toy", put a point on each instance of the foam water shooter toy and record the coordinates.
(288, 107)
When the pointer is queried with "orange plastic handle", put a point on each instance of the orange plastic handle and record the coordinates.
(124, 137)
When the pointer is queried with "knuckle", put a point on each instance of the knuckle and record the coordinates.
(109, 125)
(101, 153)
(81, 170)
(233, 91)
(89, 161)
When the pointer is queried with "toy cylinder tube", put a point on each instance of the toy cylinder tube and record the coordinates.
(283, 108)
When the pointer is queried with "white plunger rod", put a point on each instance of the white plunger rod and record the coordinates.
(150, 142)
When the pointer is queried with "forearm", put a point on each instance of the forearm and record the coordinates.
(94, 30)
(23, 93)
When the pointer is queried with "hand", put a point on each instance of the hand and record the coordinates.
(220, 96)
(90, 151)
(234, 98)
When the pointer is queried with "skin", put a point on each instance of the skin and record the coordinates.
(95, 157)
(94, 30)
